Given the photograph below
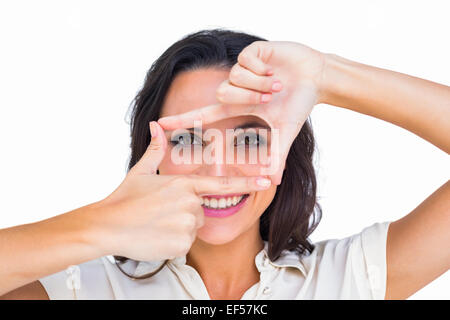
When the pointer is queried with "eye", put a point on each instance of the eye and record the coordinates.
(186, 140)
(250, 139)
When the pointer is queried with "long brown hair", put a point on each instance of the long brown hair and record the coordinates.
(294, 212)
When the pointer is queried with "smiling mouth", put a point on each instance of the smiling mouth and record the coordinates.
(223, 201)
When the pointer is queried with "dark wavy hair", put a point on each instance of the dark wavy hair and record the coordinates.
(294, 212)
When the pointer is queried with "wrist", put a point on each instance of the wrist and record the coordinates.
(93, 232)
(335, 79)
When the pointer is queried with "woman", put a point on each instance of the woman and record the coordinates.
(226, 231)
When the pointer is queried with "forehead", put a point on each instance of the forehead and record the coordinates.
(192, 90)
(197, 88)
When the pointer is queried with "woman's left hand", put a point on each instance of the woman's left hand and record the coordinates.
(298, 71)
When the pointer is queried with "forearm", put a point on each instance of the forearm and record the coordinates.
(32, 251)
(417, 105)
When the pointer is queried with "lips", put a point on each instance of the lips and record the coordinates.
(223, 205)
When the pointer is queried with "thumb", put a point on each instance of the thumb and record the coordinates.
(149, 162)
(278, 176)
(281, 142)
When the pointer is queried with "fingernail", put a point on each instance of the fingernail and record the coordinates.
(277, 86)
(266, 97)
(153, 129)
(263, 182)
(269, 72)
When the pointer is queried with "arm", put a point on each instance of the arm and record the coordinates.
(417, 244)
(140, 220)
(416, 251)
(417, 105)
(32, 251)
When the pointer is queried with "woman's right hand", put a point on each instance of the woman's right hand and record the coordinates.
(155, 217)
(298, 68)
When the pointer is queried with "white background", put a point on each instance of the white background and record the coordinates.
(69, 70)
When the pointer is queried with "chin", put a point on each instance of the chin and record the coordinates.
(217, 235)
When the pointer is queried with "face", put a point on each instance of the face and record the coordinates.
(194, 89)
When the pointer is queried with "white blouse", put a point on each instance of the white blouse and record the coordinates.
(348, 268)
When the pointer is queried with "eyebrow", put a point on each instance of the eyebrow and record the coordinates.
(252, 124)
(246, 125)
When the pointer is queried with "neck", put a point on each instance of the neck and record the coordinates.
(229, 269)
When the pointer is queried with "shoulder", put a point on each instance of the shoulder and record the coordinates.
(367, 242)
(88, 280)
(354, 267)
(30, 291)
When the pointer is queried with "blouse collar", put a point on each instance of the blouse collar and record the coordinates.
(286, 259)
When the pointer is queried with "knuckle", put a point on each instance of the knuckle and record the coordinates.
(180, 182)
(243, 57)
(191, 222)
(221, 92)
(193, 202)
(188, 222)
(153, 146)
(255, 97)
(224, 181)
(267, 84)
(235, 73)
(189, 201)
(183, 245)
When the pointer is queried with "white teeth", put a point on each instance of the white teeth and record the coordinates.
(221, 203)
(213, 203)
(201, 201)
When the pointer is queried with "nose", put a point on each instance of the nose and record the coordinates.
(219, 170)
(217, 163)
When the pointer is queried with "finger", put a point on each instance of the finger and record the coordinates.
(149, 162)
(229, 94)
(242, 77)
(204, 185)
(200, 215)
(278, 176)
(276, 167)
(254, 57)
(287, 133)
(198, 212)
(208, 114)
(281, 141)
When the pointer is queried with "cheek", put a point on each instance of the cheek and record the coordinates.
(167, 166)
(250, 169)
(254, 159)
(265, 198)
